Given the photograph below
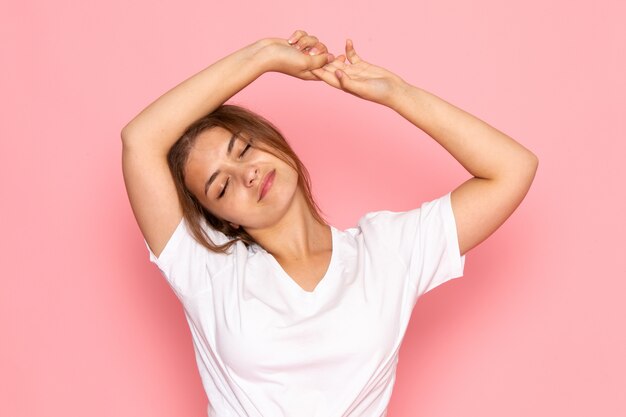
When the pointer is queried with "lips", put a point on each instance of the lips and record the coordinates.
(266, 184)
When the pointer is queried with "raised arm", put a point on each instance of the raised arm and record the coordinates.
(502, 169)
(149, 136)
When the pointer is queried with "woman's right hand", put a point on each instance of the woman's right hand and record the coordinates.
(296, 56)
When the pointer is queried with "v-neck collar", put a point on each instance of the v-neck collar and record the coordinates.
(323, 283)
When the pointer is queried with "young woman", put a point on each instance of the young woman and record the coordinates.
(290, 316)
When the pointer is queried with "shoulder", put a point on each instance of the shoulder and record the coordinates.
(399, 223)
(424, 238)
(187, 264)
(409, 232)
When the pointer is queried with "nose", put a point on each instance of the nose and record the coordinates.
(250, 175)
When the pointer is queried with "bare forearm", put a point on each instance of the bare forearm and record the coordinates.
(503, 169)
(160, 124)
(484, 151)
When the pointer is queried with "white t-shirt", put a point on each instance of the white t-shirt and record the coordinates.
(266, 347)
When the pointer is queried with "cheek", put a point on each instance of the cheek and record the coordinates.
(210, 206)
(230, 209)
(218, 211)
(293, 178)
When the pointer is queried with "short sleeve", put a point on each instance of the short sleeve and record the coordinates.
(425, 240)
(185, 263)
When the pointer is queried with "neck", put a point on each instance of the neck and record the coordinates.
(298, 235)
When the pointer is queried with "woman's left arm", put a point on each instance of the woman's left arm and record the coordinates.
(502, 169)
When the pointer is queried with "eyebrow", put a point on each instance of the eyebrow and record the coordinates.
(229, 149)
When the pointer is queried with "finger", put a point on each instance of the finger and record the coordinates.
(334, 65)
(327, 76)
(318, 48)
(345, 82)
(351, 53)
(306, 42)
(308, 76)
(296, 36)
(317, 61)
(315, 64)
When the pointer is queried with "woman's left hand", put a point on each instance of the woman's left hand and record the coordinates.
(360, 78)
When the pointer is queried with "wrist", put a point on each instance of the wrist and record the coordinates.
(261, 53)
(399, 90)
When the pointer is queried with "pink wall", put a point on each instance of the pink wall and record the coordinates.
(536, 326)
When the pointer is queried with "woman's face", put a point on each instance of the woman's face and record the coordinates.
(237, 182)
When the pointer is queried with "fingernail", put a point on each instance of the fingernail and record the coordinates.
(313, 51)
(297, 46)
(291, 40)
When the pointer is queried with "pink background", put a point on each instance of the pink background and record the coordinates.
(536, 326)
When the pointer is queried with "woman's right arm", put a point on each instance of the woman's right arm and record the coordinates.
(149, 136)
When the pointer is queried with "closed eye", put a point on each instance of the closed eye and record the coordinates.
(248, 146)
(224, 189)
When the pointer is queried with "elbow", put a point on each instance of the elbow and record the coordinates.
(527, 163)
(130, 136)
(521, 171)
(125, 134)
(534, 158)
(533, 163)
(523, 164)
(529, 168)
